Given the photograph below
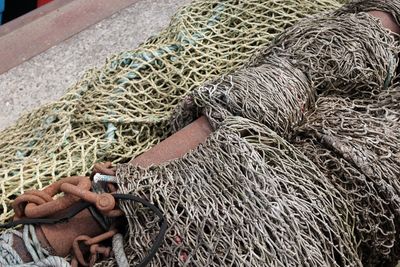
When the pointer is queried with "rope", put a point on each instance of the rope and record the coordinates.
(51, 261)
(41, 258)
(118, 249)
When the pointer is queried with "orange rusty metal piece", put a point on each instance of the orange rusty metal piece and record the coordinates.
(94, 247)
(104, 202)
(74, 262)
(176, 145)
(78, 254)
(95, 250)
(34, 210)
(40, 194)
(104, 168)
(36, 203)
(114, 213)
(20, 203)
(102, 237)
(61, 236)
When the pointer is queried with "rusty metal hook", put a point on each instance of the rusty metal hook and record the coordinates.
(95, 250)
(103, 168)
(94, 247)
(104, 202)
(36, 204)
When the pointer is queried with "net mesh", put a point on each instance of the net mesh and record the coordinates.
(123, 108)
(270, 206)
(247, 197)
(356, 144)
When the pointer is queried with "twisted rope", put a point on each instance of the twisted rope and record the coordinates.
(40, 257)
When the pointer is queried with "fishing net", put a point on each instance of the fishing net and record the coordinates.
(247, 197)
(302, 166)
(348, 55)
(270, 206)
(123, 108)
(356, 6)
(256, 93)
(356, 144)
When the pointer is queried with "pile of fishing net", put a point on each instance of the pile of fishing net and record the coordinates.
(263, 208)
(302, 167)
(123, 108)
(303, 164)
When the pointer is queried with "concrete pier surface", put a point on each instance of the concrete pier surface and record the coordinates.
(47, 76)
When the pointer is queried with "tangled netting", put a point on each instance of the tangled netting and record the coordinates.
(123, 108)
(355, 6)
(356, 144)
(270, 206)
(303, 166)
(349, 56)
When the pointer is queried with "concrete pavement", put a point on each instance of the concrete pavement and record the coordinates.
(47, 76)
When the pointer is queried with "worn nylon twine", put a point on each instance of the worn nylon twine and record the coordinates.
(267, 207)
(303, 164)
(356, 144)
(123, 108)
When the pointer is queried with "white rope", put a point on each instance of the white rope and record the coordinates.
(118, 249)
(41, 258)
(104, 178)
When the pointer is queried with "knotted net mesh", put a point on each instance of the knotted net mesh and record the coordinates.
(302, 168)
(270, 206)
(123, 108)
(356, 144)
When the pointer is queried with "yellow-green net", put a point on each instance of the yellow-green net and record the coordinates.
(123, 108)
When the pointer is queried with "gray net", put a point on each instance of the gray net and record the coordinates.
(253, 93)
(347, 54)
(248, 198)
(356, 6)
(270, 206)
(356, 144)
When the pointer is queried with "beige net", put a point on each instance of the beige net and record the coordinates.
(123, 108)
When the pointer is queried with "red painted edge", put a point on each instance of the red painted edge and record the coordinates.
(43, 2)
(37, 31)
(37, 13)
